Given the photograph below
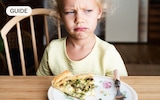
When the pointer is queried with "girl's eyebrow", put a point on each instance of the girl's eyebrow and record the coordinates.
(72, 8)
(68, 8)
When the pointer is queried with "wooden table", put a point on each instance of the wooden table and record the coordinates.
(36, 87)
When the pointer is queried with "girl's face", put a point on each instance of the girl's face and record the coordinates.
(80, 17)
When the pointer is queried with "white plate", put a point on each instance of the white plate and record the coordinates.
(105, 90)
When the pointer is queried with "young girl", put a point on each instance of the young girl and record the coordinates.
(81, 51)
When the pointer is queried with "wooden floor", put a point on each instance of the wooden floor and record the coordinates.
(141, 59)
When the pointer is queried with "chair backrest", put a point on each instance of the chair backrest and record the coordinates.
(15, 22)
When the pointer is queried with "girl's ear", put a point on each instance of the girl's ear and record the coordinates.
(100, 13)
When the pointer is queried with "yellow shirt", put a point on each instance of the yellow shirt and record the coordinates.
(102, 60)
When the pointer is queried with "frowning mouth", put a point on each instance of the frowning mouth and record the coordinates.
(80, 29)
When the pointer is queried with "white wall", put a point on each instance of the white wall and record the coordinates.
(122, 25)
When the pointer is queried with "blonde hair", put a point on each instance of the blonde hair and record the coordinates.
(105, 5)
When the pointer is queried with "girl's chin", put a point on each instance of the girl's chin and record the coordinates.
(80, 35)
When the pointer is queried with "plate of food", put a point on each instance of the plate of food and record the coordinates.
(87, 87)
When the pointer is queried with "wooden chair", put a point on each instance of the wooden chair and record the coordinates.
(15, 22)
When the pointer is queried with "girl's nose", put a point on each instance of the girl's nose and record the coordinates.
(79, 18)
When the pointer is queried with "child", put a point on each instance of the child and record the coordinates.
(81, 51)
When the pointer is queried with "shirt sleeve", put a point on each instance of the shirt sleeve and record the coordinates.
(115, 61)
(44, 69)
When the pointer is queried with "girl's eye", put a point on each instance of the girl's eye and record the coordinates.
(69, 12)
(89, 10)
